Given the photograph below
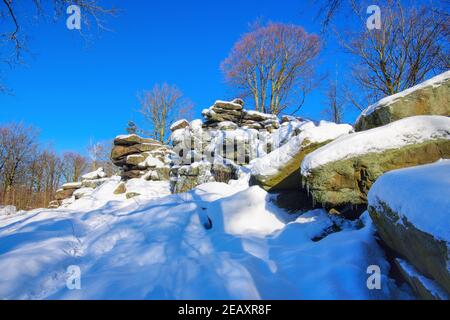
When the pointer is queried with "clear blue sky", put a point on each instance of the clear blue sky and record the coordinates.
(75, 91)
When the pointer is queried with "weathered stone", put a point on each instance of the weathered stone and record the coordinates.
(428, 254)
(62, 194)
(120, 189)
(119, 152)
(132, 139)
(130, 195)
(136, 159)
(93, 183)
(71, 185)
(289, 178)
(54, 204)
(131, 174)
(429, 98)
(347, 182)
(79, 193)
(229, 105)
(180, 124)
(423, 287)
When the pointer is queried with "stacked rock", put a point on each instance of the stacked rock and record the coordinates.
(229, 115)
(213, 149)
(141, 157)
(76, 190)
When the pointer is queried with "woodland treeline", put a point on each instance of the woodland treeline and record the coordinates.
(30, 173)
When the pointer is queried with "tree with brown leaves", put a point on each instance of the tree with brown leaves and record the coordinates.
(273, 64)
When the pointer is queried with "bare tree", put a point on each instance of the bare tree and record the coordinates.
(160, 106)
(99, 154)
(335, 103)
(15, 17)
(273, 64)
(401, 54)
(74, 166)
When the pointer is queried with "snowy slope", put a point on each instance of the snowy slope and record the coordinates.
(214, 242)
(432, 182)
(397, 134)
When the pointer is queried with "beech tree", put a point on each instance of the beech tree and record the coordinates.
(273, 64)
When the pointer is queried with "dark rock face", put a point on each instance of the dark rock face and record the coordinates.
(426, 253)
(429, 98)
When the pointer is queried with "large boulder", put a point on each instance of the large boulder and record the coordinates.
(280, 169)
(119, 152)
(131, 139)
(62, 194)
(431, 97)
(341, 173)
(411, 210)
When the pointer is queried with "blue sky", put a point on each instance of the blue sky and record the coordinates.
(75, 91)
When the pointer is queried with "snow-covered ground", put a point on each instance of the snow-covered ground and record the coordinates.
(214, 242)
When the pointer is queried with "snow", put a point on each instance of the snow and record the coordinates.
(148, 189)
(178, 123)
(262, 115)
(97, 174)
(275, 161)
(71, 185)
(7, 210)
(429, 284)
(397, 134)
(126, 136)
(433, 82)
(214, 242)
(237, 105)
(83, 192)
(430, 212)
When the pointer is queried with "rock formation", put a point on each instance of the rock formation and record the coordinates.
(141, 157)
(431, 97)
(214, 149)
(411, 210)
(342, 172)
(75, 190)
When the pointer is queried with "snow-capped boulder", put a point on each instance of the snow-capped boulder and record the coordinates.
(411, 210)
(62, 194)
(94, 175)
(79, 193)
(342, 172)
(131, 139)
(280, 169)
(180, 124)
(428, 98)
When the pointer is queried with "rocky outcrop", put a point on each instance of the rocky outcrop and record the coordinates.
(431, 97)
(214, 149)
(411, 211)
(341, 173)
(141, 157)
(77, 190)
(280, 169)
(229, 115)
